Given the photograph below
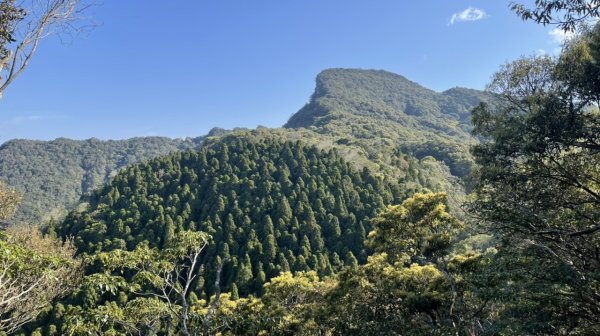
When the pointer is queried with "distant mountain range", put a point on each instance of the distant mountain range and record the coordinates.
(53, 175)
(375, 119)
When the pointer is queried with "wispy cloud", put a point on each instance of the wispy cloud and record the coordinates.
(27, 119)
(560, 36)
(469, 14)
(148, 131)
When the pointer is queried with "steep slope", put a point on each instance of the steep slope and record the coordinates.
(374, 119)
(384, 95)
(383, 112)
(270, 206)
(412, 173)
(53, 175)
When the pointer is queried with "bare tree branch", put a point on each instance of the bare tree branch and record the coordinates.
(215, 304)
(42, 18)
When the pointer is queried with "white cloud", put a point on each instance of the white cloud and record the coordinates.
(560, 36)
(469, 14)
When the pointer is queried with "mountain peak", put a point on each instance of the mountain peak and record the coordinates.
(383, 112)
(381, 95)
(338, 81)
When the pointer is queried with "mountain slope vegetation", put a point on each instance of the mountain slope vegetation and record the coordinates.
(329, 226)
(270, 206)
(383, 112)
(375, 119)
(53, 175)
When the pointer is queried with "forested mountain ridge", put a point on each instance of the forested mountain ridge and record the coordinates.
(292, 199)
(53, 175)
(373, 118)
(270, 206)
(346, 220)
(383, 112)
(384, 95)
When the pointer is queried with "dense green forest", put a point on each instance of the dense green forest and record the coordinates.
(270, 206)
(53, 175)
(373, 118)
(383, 112)
(381, 208)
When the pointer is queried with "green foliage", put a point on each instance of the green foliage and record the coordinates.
(156, 286)
(538, 185)
(290, 302)
(291, 305)
(384, 112)
(567, 14)
(9, 201)
(285, 217)
(381, 297)
(378, 298)
(419, 288)
(417, 230)
(373, 119)
(265, 202)
(10, 14)
(53, 175)
(416, 135)
(33, 272)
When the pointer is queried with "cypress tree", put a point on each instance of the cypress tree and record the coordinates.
(273, 219)
(351, 260)
(244, 274)
(234, 292)
(270, 248)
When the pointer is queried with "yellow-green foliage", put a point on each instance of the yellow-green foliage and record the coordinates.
(34, 270)
(418, 229)
(9, 200)
(289, 306)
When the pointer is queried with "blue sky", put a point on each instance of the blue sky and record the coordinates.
(179, 68)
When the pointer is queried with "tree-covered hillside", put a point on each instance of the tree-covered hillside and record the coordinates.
(270, 206)
(374, 119)
(383, 112)
(53, 175)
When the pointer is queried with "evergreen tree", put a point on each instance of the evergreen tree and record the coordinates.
(265, 199)
(234, 292)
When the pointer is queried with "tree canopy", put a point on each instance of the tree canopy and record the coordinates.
(270, 206)
(567, 14)
(538, 182)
